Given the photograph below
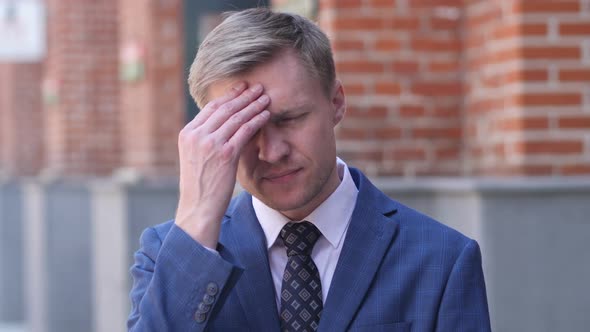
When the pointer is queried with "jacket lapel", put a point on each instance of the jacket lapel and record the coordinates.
(368, 238)
(243, 236)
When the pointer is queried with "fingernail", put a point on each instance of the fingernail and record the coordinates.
(263, 99)
(240, 86)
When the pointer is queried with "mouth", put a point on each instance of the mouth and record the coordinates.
(282, 177)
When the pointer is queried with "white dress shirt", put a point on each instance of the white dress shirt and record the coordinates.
(332, 218)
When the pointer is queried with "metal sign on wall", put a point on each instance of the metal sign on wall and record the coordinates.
(22, 30)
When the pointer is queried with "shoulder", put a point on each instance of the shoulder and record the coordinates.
(414, 228)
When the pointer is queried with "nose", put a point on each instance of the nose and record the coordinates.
(272, 145)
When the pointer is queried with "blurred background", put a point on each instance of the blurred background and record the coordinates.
(475, 112)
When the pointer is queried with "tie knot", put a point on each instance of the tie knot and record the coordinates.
(299, 238)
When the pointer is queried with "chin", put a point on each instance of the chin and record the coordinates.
(285, 202)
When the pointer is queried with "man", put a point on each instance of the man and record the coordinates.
(311, 243)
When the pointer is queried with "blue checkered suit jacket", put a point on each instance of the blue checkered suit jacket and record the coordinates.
(399, 270)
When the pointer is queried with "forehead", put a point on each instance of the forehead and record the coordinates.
(284, 78)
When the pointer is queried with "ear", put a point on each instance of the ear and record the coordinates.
(338, 101)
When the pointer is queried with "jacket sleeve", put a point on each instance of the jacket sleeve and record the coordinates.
(464, 305)
(176, 283)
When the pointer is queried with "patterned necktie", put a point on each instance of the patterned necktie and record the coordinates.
(301, 291)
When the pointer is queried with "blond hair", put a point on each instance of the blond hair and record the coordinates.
(251, 37)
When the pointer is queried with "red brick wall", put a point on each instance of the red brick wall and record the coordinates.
(435, 87)
(463, 87)
(528, 87)
(152, 108)
(21, 125)
(82, 126)
(400, 62)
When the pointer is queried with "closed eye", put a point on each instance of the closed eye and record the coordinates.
(285, 121)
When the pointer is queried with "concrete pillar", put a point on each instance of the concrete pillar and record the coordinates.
(11, 254)
(110, 258)
(35, 257)
(120, 212)
(59, 267)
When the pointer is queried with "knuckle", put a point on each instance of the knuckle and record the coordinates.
(247, 128)
(227, 152)
(237, 118)
(213, 104)
(225, 108)
(207, 144)
(184, 134)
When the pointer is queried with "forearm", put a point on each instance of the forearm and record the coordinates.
(170, 281)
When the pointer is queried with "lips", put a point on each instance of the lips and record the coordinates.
(281, 176)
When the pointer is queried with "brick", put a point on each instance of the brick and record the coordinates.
(358, 23)
(419, 4)
(548, 99)
(414, 154)
(411, 111)
(403, 23)
(574, 29)
(388, 133)
(364, 155)
(387, 44)
(354, 89)
(502, 56)
(485, 106)
(448, 153)
(340, 4)
(580, 75)
(507, 31)
(575, 169)
(549, 147)
(376, 111)
(545, 7)
(437, 89)
(352, 133)
(431, 44)
(449, 112)
(387, 4)
(527, 75)
(442, 23)
(359, 66)
(405, 67)
(519, 124)
(347, 45)
(437, 133)
(551, 52)
(438, 66)
(575, 122)
(388, 88)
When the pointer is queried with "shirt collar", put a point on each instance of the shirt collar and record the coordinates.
(331, 217)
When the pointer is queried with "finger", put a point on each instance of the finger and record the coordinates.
(245, 133)
(212, 106)
(238, 119)
(229, 108)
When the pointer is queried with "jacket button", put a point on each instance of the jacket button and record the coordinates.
(212, 289)
(204, 308)
(200, 317)
(208, 299)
